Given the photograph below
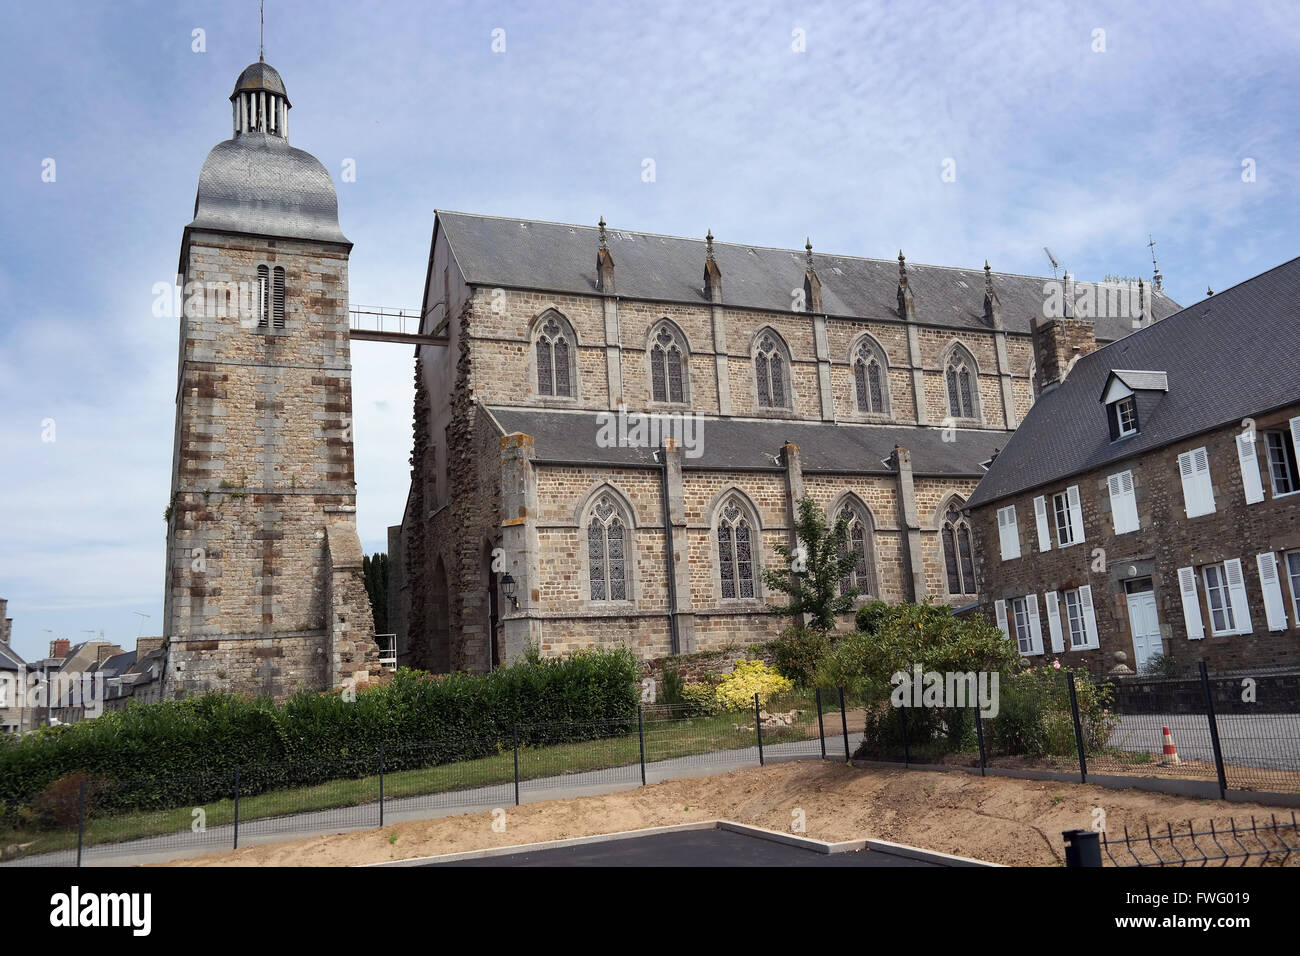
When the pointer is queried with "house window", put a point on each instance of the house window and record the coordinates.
(869, 380)
(735, 542)
(1074, 616)
(1293, 574)
(770, 373)
(607, 552)
(667, 367)
(957, 553)
(960, 380)
(1069, 516)
(1216, 589)
(554, 359)
(1282, 463)
(1126, 422)
(1020, 617)
(858, 542)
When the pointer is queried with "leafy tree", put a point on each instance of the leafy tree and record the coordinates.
(816, 566)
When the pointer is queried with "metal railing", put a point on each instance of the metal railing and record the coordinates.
(1267, 843)
(379, 318)
(387, 650)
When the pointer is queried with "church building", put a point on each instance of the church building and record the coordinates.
(612, 430)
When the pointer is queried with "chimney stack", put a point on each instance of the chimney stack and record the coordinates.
(59, 648)
(1058, 344)
(6, 623)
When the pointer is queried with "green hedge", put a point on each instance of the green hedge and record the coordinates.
(174, 753)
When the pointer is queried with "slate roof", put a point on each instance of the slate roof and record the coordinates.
(570, 437)
(1227, 357)
(10, 659)
(556, 257)
(260, 76)
(260, 185)
(1139, 380)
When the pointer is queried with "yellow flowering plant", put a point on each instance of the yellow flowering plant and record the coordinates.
(737, 691)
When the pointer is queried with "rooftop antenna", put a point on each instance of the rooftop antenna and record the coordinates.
(1055, 264)
(143, 617)
(1157, 280)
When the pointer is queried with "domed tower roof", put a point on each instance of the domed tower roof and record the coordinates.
(260, 76)
(255, 182)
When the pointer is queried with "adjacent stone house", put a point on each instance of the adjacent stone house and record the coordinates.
(1149, 501)
(612, 429)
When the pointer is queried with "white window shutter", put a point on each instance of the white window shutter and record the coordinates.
(1201, 462)
(1076, 512)
(1035, 623)
(1054, 621)
(1237, 592)
(1000, 609)
(1274, 606)
(1089, 616)
(1040, 516)
(1191, 603)
(1249, 468)
(1295, 436)
(1191, 498)
(1008, 533)
(1123, 502)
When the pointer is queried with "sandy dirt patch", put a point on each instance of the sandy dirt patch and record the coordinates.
(1002, 820)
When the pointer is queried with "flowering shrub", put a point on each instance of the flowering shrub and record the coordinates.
(698, 700)
(1035, 719)
(737, 691)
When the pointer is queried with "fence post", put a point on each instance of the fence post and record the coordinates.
(979, 735)
(640, 733)
(514, 733)
(907, 751)
(1214, 730)
(381, 783)
(844, 725)
(1078, 728)
(1082, 848)
(236, 808)
(758, 724)
(821, 727)
(81, 817)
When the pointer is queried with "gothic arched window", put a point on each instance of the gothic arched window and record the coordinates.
(735, 540)
(667, 366)
(955, 532)
(555, 358)
(961, 382)
(772, 371)
(607, 541)
(857, 542)
(870, 378)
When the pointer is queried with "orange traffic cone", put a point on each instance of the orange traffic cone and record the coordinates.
(1171, 752)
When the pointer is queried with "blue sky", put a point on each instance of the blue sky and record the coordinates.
(845, 141)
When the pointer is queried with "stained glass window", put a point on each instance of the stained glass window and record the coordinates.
(607, 553)
(735, 553)
(857, 542)
(554, 368)
(666, 380)
(957, 559)
(869, 380)
(961, 386)
(770, 372)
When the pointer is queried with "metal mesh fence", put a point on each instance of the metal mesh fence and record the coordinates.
(1042, 719)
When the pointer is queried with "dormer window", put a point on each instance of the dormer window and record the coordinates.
(1126, 417)
(1120, 396)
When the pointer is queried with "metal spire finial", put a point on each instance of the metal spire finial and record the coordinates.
(261, 31)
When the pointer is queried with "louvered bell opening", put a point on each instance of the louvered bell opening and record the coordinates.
(278, 299)
(263, 296)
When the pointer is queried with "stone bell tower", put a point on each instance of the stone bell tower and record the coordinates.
(264, 590)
